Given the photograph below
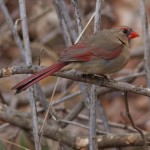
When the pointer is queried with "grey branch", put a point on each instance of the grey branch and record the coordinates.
(65, 14)
(97, 20)
(63, 26)
(28, 57)
(144, 24)
(77, 76)
(9, 21)
(77, 15)
(23, 120)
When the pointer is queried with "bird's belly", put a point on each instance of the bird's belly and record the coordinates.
(101, 66)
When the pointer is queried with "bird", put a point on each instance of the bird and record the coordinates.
(102, 53)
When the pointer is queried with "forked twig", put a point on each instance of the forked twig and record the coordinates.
(130, 117)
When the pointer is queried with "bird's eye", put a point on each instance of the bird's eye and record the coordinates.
(125, 31)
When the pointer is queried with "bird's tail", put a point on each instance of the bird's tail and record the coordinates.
(23, 85)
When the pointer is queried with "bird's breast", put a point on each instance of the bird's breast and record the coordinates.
(117, 63)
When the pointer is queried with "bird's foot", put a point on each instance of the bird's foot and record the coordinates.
(103, 75)
(96, 75)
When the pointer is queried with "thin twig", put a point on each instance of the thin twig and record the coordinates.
(102, 114)
(73, 114)
(65, 32)
(68, 20)
(144, 21)
(130, 117)
(97, 20)
(92, 119)
(47, 112)
(77, 15)
(66, 98)
(16, 145)
(9, 21)
(112, 124)
(85, 27)
(28, 57)
(79, 125)
(41, 97)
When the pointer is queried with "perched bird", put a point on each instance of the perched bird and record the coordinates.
(103, 53)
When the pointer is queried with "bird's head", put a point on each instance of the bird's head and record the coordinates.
(129, 32)
(124, 34)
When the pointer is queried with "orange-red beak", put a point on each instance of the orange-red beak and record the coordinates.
(133, 35)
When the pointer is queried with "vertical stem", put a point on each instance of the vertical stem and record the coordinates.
(92, 120)
(97, 20)
(9, 21)
(130, 117)
(93, 97)
(144, 25)
(68, 21)
(29, 63)
(65, 32)
(102, 114)
(25, 32)
(77, 16)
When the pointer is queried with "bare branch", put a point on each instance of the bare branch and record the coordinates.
(144, 25)
(77, 15)
(29, 63)
(92, 119)
(77, 76)
(11, 27)
(102, 115)
(97, 20)
(80, 125)
(73, 114)
(105, 141)
(63, 9)
(130, 117)
(65, 32)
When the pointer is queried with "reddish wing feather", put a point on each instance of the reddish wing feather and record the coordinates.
(85, 52)
(108, 54)
(77, 46)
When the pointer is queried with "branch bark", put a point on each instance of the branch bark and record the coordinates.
(28, 60)
(23, 120)
(76, 76)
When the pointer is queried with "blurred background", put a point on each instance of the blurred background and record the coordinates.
(47, 42)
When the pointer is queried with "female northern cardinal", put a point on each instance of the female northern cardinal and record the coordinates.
(105, 52)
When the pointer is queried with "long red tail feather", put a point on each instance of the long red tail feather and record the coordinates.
(23, 85)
